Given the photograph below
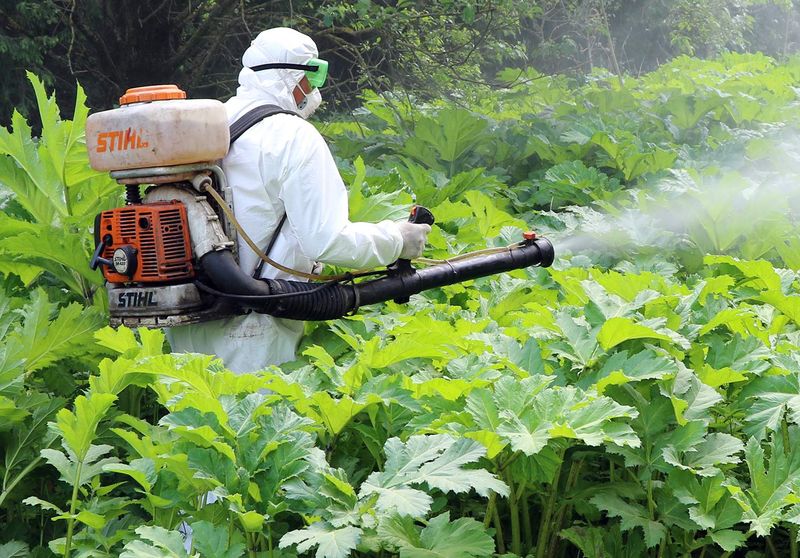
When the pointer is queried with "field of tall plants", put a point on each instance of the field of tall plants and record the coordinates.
(641, 398)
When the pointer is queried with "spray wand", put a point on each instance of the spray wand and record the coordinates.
(334, 299)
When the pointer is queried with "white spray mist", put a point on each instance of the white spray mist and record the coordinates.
(743, 204)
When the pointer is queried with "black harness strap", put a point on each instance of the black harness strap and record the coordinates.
(242, 124)
(260, 265)
(253, 117)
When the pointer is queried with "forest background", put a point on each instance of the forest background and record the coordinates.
(429, 49)
(639, 398)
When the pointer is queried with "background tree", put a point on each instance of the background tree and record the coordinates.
(110, 46)
(430, 48)
(27, 34)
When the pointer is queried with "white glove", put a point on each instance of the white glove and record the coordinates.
(414, 237)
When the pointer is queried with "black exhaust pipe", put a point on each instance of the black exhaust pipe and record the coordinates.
(298, 300)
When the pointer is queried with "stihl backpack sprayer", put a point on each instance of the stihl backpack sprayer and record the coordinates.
(169, 258)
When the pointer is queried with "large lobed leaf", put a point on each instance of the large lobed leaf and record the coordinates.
(330, 542)
(57, 195)
(440, 538)
(774, 482)
(437, 461)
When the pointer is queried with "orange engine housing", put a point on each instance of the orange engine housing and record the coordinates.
(155, 235)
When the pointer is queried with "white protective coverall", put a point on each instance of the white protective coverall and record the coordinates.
(283, 165)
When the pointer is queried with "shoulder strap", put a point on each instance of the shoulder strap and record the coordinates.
(242, 124)
(260, 266)
(253, 117)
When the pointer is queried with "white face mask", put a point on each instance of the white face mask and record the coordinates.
(311, 103)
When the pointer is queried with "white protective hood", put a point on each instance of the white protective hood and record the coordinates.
(273, 87)
(282, 165)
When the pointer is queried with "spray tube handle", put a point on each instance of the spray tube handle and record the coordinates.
(420, 216)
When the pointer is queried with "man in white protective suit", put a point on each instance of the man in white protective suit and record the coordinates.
(279, 167)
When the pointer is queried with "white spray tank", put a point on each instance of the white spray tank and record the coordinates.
(156, 126)
(148, 250)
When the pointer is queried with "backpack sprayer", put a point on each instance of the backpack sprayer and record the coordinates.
(169, 258)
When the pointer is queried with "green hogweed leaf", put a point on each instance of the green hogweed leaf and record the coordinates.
(330, 542)
(436, 461)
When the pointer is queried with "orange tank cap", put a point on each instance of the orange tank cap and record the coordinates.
(529, 235)
(152, 93)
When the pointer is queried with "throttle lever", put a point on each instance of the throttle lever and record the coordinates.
(421, 216)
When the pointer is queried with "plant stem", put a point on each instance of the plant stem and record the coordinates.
(73, 503)
(269, 538)
(793, 547)
(526, 520)
(22, 474)
(498, 527)
(771, 547)
(542, 543)
(487, 519)
(41, 517)
(513, 511)
(251, 545)
(651, 504)
(511, 458)
(261, 540)
(564, 508)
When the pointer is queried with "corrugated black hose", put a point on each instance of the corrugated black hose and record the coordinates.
(308, 301)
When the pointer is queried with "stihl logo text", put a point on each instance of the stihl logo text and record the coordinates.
(120, 140)
(138, 299)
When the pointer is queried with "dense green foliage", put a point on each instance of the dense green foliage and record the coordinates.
(640, 398)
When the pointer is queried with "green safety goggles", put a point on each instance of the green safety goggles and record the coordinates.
(316, 70)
